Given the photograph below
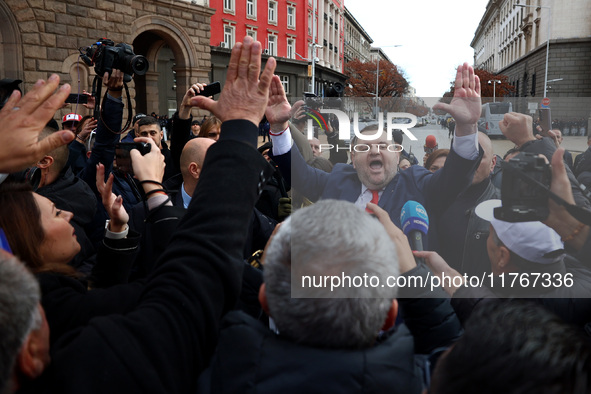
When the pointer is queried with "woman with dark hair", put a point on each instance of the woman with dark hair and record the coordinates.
(210, 128)
(42, 237)
(436, 160)
(39, 234)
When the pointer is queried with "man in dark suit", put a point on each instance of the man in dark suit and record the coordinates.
(373, 175)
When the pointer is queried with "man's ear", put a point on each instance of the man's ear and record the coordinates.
(263, 299)
(32, 359)
(493, 163)
(504, 256)
(391, 316)
(46, 162)
(195, 170)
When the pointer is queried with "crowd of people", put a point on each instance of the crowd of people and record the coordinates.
(182, 270)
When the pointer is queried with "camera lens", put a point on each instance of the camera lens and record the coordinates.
(139, 65)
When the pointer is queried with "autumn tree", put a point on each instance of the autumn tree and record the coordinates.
(361, 82)
(502, 89)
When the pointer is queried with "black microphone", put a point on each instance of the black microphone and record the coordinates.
(415, 223)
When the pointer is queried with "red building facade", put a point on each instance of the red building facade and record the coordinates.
(284, 28)
(281, 26)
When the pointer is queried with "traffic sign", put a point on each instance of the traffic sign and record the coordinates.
(545, 102)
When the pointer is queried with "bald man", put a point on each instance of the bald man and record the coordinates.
(462, 234)
(192, 159)
(182, 186)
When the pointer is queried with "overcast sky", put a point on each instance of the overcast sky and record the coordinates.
(435, 36)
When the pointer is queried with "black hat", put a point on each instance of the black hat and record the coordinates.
(195, 122)
(138, 117)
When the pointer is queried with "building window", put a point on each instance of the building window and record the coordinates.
(272, 45)
(272, 11)
(252, 33)
(309, 23)
(291, 17)
(285, 83)
(251, 8)
(228, 36)
(291, 48)
(229, 5)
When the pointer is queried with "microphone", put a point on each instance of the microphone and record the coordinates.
(415, 223)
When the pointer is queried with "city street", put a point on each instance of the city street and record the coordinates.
(575, 145)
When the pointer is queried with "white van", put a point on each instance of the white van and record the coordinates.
(492, 114)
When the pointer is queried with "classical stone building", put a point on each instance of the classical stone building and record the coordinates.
(40, 37)
(357, 40)
(515, 37)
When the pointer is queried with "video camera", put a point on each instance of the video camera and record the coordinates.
(524, 189)
(105, 56)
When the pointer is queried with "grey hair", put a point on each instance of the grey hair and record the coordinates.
(330, 238)
(19, 313)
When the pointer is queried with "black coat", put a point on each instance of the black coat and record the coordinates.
(167, 340)
(253, 359)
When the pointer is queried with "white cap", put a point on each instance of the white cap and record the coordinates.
(533, 241)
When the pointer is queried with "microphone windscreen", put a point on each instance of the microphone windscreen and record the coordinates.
(414, 217)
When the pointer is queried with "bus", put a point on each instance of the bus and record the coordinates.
(492, 114)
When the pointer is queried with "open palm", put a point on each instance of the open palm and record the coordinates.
(466, 105)
(278, 108)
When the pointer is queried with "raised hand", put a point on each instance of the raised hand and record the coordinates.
(466, 105)
(278, 110)
(113, 204)
(149, 167)
(245, 95)
(114, 82)
(23, 118)
(517, 128)
(186, 105)
(91, 100)
(89, 125)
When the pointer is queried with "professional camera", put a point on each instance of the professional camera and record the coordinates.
(105, 56)
(524, 189)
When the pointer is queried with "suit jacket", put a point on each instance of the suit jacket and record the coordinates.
(435, 191)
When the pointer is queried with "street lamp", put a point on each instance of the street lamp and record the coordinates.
(494, 82)
(314, 60)
(547, 41)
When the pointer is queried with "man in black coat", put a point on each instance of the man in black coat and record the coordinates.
(169, 338)
(462, 234)
(329, 337)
